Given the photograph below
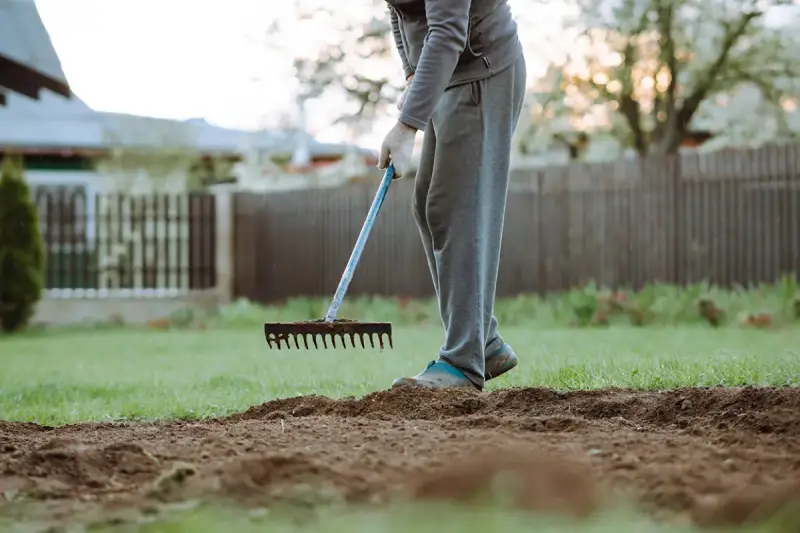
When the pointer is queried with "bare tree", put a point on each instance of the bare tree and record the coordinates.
(357, 61)
(652, 64)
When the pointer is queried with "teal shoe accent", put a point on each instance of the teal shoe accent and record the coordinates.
(500, 362)
(437, 375)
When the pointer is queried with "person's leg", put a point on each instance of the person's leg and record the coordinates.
(464, 210)
(422, 184)
(499, 357)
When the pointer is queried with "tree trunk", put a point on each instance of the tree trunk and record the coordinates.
(668, 143)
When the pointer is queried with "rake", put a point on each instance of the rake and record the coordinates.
(278, 333)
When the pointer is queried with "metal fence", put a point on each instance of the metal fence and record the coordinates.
(728, 218)
(126, 245)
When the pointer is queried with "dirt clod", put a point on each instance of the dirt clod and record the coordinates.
(521, 477)
(779, 504)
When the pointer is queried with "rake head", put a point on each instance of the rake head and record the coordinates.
(278, 334)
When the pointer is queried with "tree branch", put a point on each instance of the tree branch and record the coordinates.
(628, 106)
(732, 36)
(668, 59)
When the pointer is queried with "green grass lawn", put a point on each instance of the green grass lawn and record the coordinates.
(58, 377)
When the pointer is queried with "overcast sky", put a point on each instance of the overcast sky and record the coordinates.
(187, 58)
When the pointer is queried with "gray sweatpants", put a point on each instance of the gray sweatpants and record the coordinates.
(459, 205)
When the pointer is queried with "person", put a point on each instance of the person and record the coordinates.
(466, 79)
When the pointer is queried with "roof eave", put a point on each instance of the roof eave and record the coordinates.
(23, 79)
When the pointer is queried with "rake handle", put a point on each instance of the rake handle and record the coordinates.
(355, 256)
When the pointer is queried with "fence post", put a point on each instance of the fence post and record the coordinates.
(224, 245)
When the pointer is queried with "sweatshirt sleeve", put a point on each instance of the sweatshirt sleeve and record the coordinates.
(398, 42)
(448, 28)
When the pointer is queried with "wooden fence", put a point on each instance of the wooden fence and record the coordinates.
(121, 244)
(728, 217)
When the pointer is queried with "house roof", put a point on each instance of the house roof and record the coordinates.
(53, 123)
(28, 62)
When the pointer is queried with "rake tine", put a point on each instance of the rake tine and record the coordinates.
(289, 336)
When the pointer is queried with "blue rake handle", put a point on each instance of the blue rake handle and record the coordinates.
(347, 276)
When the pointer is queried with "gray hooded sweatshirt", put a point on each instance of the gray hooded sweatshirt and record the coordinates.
(449, 42)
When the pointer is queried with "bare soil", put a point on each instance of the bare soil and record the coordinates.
(714, 456)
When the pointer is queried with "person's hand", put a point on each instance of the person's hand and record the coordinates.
(402, 100)
(398, 145)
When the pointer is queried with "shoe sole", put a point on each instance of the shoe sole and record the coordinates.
(408, 382)
(508, 364)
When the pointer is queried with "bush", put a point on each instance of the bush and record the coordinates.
(775, 304)
(21, 249)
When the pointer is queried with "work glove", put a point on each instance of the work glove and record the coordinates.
(398, 146)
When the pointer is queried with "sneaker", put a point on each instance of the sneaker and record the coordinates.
(437, 375)
(500, 362)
